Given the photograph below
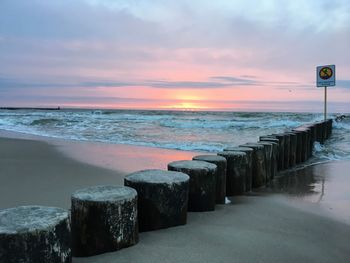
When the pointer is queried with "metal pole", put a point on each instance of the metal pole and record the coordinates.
(325, 103)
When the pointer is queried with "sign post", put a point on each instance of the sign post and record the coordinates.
(325, 77)
(325, 103)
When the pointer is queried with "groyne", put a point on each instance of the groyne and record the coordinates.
(111, 216)
(30, 108)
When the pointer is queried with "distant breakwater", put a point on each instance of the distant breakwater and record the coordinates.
(24, 108)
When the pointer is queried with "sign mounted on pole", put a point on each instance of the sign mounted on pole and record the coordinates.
(325, 76)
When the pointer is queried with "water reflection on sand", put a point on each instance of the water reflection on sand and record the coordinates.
(325, 185)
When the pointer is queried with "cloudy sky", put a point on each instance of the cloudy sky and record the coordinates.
(223, 54)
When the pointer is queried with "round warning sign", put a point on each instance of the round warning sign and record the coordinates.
(325, 76)
(326, 73)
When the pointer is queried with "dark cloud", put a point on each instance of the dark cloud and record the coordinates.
(222, 82)
(237, 81)
(107, 84)
(248, 76)
(10, 84)
(163, 84)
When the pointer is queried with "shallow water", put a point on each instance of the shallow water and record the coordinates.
(324, 187)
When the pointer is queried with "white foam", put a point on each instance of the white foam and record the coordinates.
(189, 131)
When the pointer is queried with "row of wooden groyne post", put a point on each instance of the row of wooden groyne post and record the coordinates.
(108, 218)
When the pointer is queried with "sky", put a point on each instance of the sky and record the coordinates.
(194, 54)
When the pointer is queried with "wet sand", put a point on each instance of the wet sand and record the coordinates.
(280, 225)
(34, 172)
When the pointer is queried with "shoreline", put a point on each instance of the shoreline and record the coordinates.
(115, 157)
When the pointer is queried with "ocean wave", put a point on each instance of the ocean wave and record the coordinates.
(45, 121)
(189, 131)
(225, 124)
(341, 125)
(190, 124)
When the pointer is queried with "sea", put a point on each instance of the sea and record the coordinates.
(202, 131)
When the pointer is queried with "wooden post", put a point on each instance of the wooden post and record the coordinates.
(202, 193)
(236, 172)
(104, 219)
(162, 198)
(221, 164)
(249, 170)
(35, 234)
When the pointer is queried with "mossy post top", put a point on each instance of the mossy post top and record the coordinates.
(155, 176)
(302, 129)
(209, 158)
(232, 153)
(26, 219)
(238, 149)
(105, 193)
(192, 165)
(253, 145)
(266, 143)
(269, 138)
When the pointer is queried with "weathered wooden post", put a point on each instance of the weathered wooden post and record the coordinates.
(293, 148)
(313, 128)
(309, 144)
(328, 128)
(268, 148)
(162, 198)
(280, 138)
(299, 146)
(259, 164)
(202, 193)
(286, 149)
(236, 172)
(323, 128)
(313, 136)
(274, 159)
(35, 234)
(221, 164)
(249, 169)
(324, 125)
(305, 142)
(104, 219)
(325, 132)
(320, 132)
(270, 159)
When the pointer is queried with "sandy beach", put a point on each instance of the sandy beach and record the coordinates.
(92, 91)
(303, 218)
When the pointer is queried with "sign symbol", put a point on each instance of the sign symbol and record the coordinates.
(326, 73)
(325, 76)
